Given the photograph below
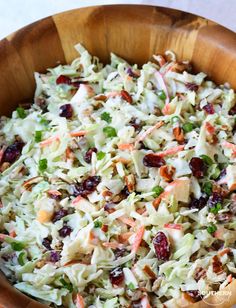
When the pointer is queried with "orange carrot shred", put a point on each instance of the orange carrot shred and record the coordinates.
(138, 239)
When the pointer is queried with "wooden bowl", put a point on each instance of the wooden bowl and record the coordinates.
(131, 31)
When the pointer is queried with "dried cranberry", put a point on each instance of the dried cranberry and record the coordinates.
(91, 183)
(119, 252)
(12, 152)
(161, 246)
(66, 111)
(136, 123)
(191, 86)
(63, 80)
(47, 243)
(209, 108)
(86, 187)
(152, 160)
(198, 203)
(64, 231)
(214, 199)
(55, 256)
(197, 166)
(233, 110)
(88, 155)
(117, 276)
(217, 245)
(195, 295)
(59, 214)
(224, 217)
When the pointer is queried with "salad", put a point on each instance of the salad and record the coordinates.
(117, 185)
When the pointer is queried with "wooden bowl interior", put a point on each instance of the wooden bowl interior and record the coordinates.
(131, 31)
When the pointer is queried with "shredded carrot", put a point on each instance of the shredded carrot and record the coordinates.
(145, 302)
(210, 128)
(3, 237)
(123, 237)
(68, 153)
(54, 192)
(49, 141)
(173, 226)
(76, 200)
(171, 151)
(12, 233)
(93, 239)
(113, 245)
(138, 239)
(126, 146)
(126, 220)
(79, 301)
(78, 134)
(230, 278)
(166, 110)
(142, 136)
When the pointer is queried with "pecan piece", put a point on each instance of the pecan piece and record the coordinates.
(217, 265)
(167, 172)
(149, 272)
(199, 273)
(130, 182)
(178, 134)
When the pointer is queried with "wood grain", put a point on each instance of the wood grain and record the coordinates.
(131, 31)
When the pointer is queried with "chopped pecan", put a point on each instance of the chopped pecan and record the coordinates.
(227, 251)
(220, 190)
(126, 96)
(217, 265)
(180, 67)
(212, 139)
(104, 228)
(149, 272)
(199, 273)
(178, 134)
(130, 182)
(29, 183)
(40, 263)
(107, 194)
(4, 166)
(100, 97)
(167, 172)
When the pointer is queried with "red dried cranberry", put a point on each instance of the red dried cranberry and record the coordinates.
(12, 152)
(59, 214)
(233, 110)
(63, 80)
(91, 183)
(47, 243)
(136, 123)
(161, 246)
(198, 203)
(224, 217)
(152, 160)
(117, 276)
(195, 295)
(86, 187)
(119, 253)
(209, 108)
(66, 111)
(191, 86)
(64, 231)
(217, 245)
(214, 199)
(55, 256)
(197, 166)
(88, 155)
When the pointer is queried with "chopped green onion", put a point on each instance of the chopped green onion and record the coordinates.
(109, 131)
(175, 119)
(21, 112)
(106, 117)
(43, 121)
(216, 173)
(131, 286)
(188, 127)
(43, 164)
(66, 285)
(207, 160)
(38, 136)
(161, 94)
(21, 258)
(100, 155)
(157, 190)
(97, 224)
(211, 229)
(17, 246)
(216, 209)
(207, 188)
